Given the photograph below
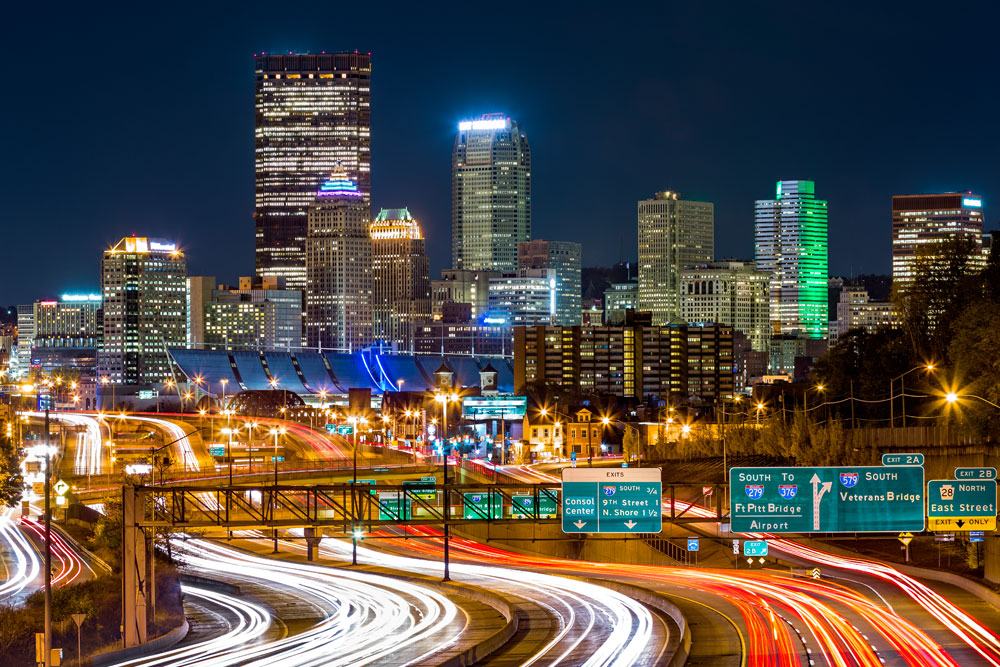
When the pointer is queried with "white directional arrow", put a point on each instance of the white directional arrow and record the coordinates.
(820, 489)
(580, 524)
(631, 524)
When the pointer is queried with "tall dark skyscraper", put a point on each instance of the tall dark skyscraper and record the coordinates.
(490, 194)
(311, 114)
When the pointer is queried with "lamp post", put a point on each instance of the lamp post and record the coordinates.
(953, 397)
(276, 432)
(444, 399)
(224, 382)
(229, 431)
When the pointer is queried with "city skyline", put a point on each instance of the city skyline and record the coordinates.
(861, 153)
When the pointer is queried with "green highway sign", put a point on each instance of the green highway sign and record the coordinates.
(975, 473)
(902, 459)
(960, 505)
(345, 430)
(380, 470)
(281, 459)
(524, 504)
(422, 488)
(482, 505)
(217, 450)
(368, 481)
(611, 500)
(755, 547)
(394, 506)
(860, 499)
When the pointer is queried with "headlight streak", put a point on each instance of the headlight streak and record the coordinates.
(903, 636)
(252, 622)
(27, 564)
(372, 617)
(631, 623)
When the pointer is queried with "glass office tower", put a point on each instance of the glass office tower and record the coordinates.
(311, 114)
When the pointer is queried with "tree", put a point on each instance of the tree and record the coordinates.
(630, 444)
(945, 283)
(11, 482)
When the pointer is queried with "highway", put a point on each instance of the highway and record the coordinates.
(572, 622)
(345, 616)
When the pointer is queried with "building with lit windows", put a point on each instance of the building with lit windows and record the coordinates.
(21, 363)
(618, 299)
(565, 258)
(490, 194)
(855, 310)
(673, 233)
(634, 360)
(791, 245)
(401, 285)
(338, 268)
(61, 334)
(144, 291)
(257, 314)
(733, 293)
(527, 296)
(462, 286)
(311, 113)
(921, 222)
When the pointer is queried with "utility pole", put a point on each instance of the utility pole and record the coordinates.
(48, 542)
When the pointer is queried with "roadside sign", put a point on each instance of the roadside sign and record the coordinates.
(707, 490)
(736, 547)
(610, 500)
(217, 450)
(345, 429)
(975, 473)
(61, 487)
(482, 505)
(368, 481)
(957, 505)
(754, 547)
(905, 538)
(692, 544)
(380, 470)
(523, 506)
(902, 459)
(281, 459)
(862, 499)
(394, 506)
(815, 573)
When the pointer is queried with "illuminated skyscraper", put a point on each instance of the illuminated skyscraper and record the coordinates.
(920, 222)
(401, 281)
(338, 268)
(673, 233)
(311, 113)
(564, 257)
(144, 287)
(490, 194)
(791, 245)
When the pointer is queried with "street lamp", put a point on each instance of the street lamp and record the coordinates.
(953, 397)
(760, 408)
(230, 431)
(444, 399)
(276, 432)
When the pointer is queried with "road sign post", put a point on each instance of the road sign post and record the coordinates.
(959, 505)
(611, 500)
(862, 499)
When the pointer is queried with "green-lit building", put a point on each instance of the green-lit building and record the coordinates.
(791, 245)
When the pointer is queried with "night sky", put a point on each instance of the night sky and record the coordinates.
(139, 118)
